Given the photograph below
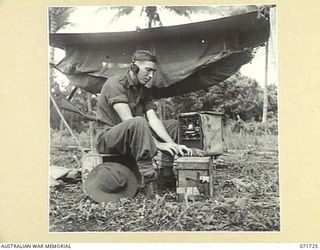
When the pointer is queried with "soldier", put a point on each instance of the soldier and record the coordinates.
(126, 112)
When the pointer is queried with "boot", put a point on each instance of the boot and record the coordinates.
(150, 187)
(167, 178)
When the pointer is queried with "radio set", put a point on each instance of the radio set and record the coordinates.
(195, 175)
(202, 130)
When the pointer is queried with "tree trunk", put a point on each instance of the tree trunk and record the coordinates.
(265, 96)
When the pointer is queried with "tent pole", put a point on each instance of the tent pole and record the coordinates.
(265, 96)
(61, 122)
(65, 122)
(60, 131)
(89, 99)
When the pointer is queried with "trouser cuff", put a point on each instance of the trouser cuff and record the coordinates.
(146, 168)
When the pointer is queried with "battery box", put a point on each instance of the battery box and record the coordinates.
(194, 177)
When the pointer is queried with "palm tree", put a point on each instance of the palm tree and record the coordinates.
(187, 11)
(153, 16)
(265, 94)
(59, 17)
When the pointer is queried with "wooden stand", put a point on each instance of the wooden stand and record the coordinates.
(195, 177)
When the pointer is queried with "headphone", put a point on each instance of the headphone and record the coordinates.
(134, 67)
(141, 55)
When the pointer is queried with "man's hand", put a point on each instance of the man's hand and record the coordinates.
(184, 150)
(173, 149)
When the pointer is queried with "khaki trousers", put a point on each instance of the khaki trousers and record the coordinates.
(134, 137)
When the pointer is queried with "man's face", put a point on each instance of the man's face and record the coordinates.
(146, 72)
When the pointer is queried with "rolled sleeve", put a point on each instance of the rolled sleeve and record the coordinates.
(115, 93)
(118, 99)
(150, 105)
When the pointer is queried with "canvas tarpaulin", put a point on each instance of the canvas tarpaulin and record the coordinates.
(191, 56)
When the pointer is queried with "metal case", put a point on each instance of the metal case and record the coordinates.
(202, 130)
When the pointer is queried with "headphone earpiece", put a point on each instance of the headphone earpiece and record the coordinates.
(134, 67)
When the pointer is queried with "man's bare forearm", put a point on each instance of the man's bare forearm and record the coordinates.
(158, 127)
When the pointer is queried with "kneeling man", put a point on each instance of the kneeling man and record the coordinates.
(130, 124)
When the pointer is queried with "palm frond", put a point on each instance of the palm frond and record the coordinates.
(126, 10)
(122, 11)
(187, 10)
(180, 10)
(60, 17)
(212, 10)
(237, 10)
(102, 9)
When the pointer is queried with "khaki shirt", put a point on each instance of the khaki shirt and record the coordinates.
(121, 89)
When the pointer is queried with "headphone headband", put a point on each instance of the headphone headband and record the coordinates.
(143, 55)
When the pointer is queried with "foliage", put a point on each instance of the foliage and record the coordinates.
(253, 127)
(241, 141)
(187, 11)
(64, 139)
(219, 11)
(59, 17)
(239, 97)
(80, 100)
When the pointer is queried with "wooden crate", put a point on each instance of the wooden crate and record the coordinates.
(194, 177)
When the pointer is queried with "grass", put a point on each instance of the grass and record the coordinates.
(245, 141)
(246, 197)
(67, 140)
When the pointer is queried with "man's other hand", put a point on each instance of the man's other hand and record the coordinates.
(175, 149)
(184, 150)
(171, 148)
